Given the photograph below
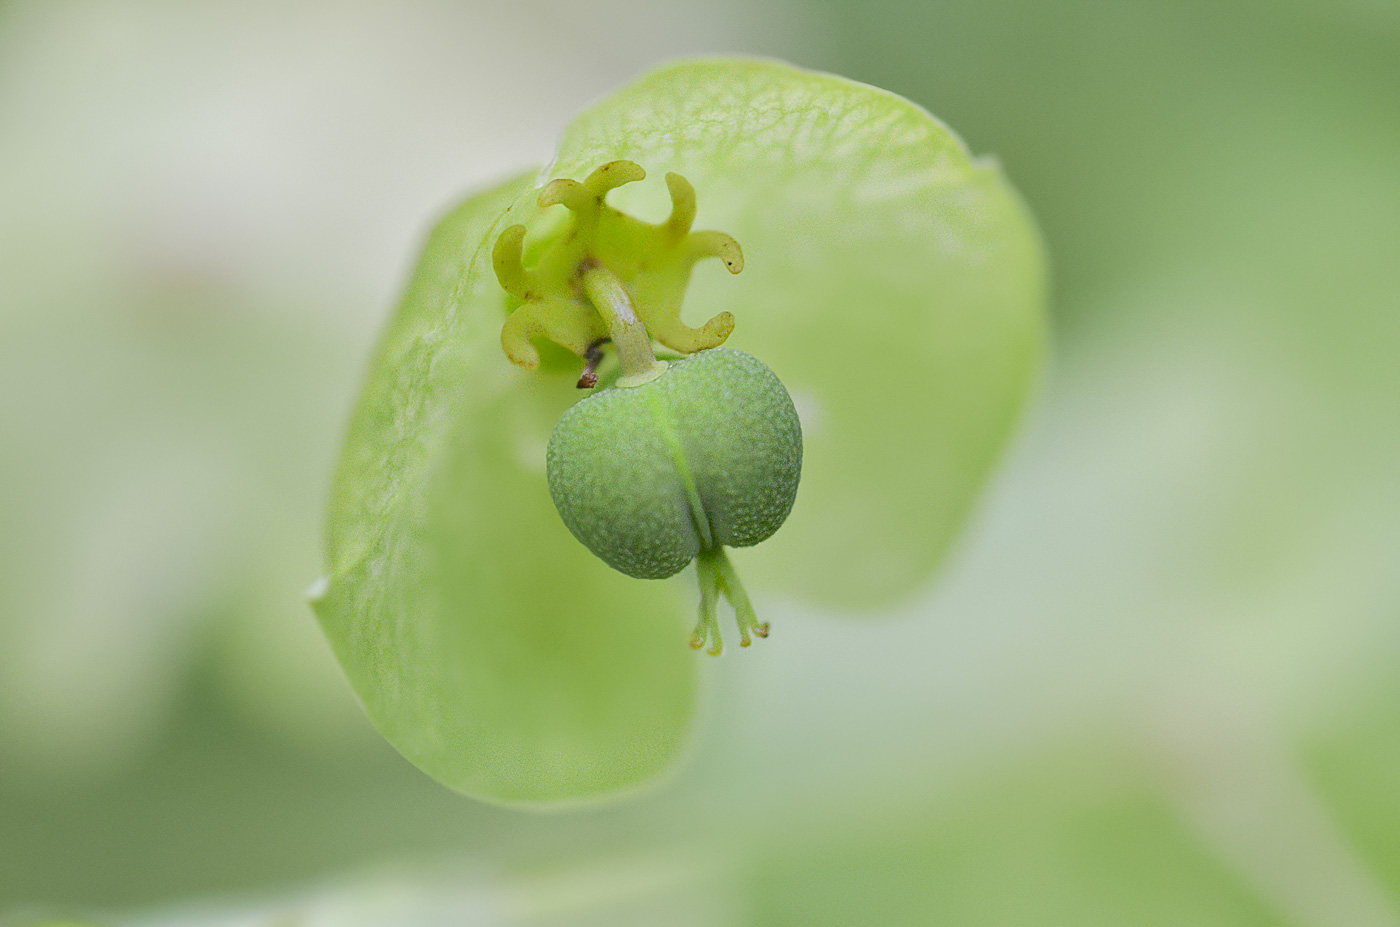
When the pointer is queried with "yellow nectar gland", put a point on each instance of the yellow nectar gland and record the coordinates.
(609, 276)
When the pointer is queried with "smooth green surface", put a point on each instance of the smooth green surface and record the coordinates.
(889, 274)
(708, 454)
(1064, 842)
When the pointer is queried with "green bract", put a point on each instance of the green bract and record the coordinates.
(893, 283)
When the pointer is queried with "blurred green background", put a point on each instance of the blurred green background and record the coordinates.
(1159, 682)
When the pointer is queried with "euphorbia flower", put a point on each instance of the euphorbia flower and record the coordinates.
(893, 283)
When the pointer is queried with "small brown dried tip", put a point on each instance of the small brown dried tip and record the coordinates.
(594, 357)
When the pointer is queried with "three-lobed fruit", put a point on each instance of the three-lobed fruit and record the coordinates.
(706, 455)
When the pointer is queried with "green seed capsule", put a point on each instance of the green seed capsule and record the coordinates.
(676, 462)
(706, 455)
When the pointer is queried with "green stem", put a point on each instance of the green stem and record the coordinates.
(628, 334)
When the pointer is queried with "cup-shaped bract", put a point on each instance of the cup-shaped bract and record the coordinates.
(895, 285)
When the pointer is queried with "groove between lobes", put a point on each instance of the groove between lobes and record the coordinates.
(665, 423)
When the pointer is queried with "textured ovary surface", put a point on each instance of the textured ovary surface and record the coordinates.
(707, 455)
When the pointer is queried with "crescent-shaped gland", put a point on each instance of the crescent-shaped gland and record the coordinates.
(647, 267)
